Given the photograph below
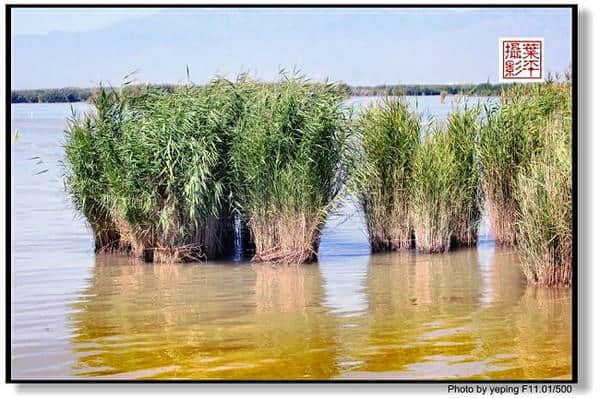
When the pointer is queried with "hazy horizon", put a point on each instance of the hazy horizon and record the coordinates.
(80, 48)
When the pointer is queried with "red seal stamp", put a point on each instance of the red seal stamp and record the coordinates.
(521, 59)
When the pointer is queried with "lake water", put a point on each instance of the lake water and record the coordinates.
(468, 314)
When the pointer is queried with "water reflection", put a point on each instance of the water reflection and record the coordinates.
(344, 287)
(418, 310)
(423, 316)
(295, 335)
(453, 317)
(509, 322)
(416, 316)
(343, 258)
(503, 281)
(543, 333)
(203, 321)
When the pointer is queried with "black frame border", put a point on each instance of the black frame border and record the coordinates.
(8, 307)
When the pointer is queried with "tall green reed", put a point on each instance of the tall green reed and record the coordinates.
(288, 164)
(507, 141)
(156, 174)
(462, 129)
(436, 187)
(544, 196)
(88, 153)
(388, 135)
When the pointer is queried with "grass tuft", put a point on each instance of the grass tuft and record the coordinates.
(388, 133)
(149, 173)
(288, 163)
(435, 179)
(509, 138)
(544, 195)
(462, 129)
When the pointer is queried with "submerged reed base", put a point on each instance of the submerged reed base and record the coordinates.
(503, 219)
(293, 240)
(552, 271)
(380, 241)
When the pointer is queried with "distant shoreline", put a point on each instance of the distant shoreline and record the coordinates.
(71, 94)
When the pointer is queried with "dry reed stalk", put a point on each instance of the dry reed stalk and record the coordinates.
(292, 239)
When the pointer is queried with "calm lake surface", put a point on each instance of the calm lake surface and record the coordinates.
(468, 314)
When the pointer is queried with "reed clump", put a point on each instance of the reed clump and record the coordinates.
(544, 195)
(462, 129)
(163, 175)
(508, 138)
(525, 152)
(436, 187)
(86, 179)
(149, 171)
(388, 134)
(287, 161)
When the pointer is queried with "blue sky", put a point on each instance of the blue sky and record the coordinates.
(82, 47)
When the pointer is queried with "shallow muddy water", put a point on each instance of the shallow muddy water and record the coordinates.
(468, 314)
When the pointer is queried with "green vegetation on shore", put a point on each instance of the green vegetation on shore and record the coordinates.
(480, 89)
(74, 94)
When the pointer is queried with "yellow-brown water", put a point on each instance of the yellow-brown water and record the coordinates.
(467, 314)
(399, 316)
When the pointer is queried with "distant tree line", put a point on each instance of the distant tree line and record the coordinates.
(68, 94)
(483, 89)
(73, 94)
